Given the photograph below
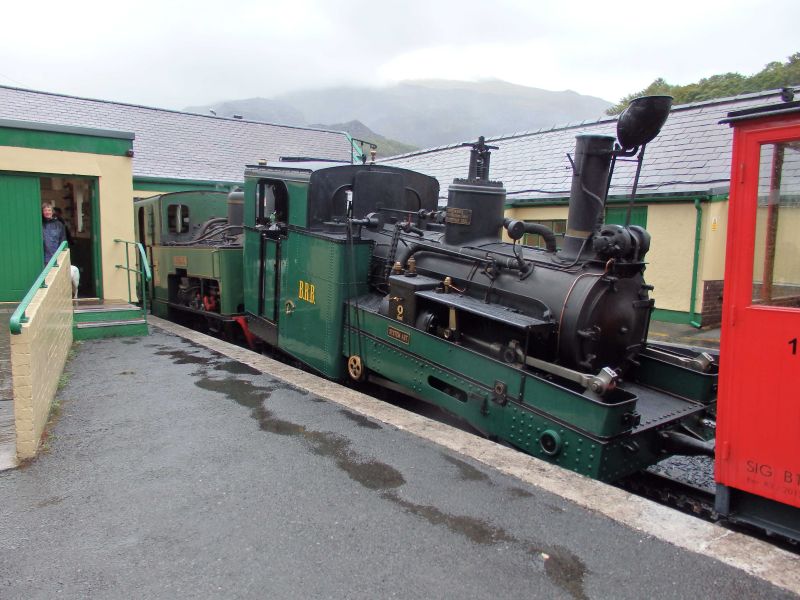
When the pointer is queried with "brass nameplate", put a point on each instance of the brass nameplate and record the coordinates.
(400, 336)
(459, 216)
(180, 261)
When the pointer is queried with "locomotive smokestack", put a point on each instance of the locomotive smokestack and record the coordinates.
(591, 166)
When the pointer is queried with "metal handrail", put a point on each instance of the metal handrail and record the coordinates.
(19, 317)
(142, 268)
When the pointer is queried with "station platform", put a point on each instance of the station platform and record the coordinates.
(675, 333)
(182, 466)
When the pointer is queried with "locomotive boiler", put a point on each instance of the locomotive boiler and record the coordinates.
(584, 307)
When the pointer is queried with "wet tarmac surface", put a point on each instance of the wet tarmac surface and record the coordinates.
(8, 444)
(175, 471)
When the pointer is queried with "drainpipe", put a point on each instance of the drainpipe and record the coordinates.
(694, 318)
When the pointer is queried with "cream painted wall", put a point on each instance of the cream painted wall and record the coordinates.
(115, 183)
(713, 238)
(544, 213)
(142, 194)
(669, 268)
(669, 262)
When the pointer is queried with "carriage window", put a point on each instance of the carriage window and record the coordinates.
(776, 261)
(178, 218)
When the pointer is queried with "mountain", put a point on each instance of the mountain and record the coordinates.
(359, 131)
(424, 113)
(255, 109)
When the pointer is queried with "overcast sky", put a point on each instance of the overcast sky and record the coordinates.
(175, 54)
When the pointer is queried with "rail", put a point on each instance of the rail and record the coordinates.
(142, 269)
(19, 317)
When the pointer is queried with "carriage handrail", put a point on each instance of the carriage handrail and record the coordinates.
(19, 317)
(142, 268)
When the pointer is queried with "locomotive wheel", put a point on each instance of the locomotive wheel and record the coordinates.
(355, 368)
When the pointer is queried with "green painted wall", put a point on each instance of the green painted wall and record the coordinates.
(616, 215)
(68, 142)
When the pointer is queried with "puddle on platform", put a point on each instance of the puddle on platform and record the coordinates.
(561, 566)
(241, 391)
(236, 368)
(52, 501)
(371, 474)
(129, 342)
(182, 357)
(566, 570)
(519, 493)
(476, 530)
(361, 420)
(553, 508)
(466, 471)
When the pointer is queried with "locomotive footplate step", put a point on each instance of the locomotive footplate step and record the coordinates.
(657, 407)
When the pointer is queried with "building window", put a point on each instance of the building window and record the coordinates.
(558, 227)
(178, 218)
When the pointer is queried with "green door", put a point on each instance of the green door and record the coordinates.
(616, 215)
(21, 252)
(270, 276)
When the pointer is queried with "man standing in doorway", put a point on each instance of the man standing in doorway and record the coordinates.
(53, 233)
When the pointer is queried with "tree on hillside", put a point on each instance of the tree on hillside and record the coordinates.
(772, 76)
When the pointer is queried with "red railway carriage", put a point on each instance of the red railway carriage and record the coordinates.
(758, 434)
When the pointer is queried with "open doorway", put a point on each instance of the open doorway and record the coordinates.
(73, 203)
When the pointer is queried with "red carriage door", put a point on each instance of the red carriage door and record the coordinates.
(758, 439)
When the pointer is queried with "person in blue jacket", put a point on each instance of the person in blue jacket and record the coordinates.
(53, 231)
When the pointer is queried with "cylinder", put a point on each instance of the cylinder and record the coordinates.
(236, 208)
(587, 196)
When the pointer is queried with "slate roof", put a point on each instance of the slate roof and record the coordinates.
(691, 154)
(176, 145)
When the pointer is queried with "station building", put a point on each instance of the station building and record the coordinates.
(682, 197)
(90, 159)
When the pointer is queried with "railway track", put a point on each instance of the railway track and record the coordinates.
(659, 485)
(680, 495)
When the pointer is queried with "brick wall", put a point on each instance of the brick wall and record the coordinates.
(711, 312)
(38, 355)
